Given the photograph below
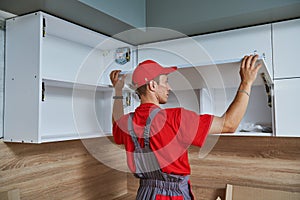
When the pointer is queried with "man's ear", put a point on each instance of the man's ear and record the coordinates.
(152, 85)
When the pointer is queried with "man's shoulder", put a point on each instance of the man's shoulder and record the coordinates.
(123, 120)
(176, 110)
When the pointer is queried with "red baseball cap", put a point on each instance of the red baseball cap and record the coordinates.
(147, 71)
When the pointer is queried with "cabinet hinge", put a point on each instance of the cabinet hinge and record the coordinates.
(44, 27)
(268, 88)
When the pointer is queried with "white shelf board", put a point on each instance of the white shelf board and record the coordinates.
(75, 85)
(246, 134)
(72, 136)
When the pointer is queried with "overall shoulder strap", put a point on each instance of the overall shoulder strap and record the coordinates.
(146, 129)
(132, 133)
(148, 125)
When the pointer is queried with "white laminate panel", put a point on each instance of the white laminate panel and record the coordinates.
(22, 79)
(1, 81)
(287, 107)
(212, 48)
(286, 47)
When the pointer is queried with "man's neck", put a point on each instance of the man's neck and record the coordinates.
(149, 99)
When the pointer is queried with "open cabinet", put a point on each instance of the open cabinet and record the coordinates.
(57, 79)
(207, 78)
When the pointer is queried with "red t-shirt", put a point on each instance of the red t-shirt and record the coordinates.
(173, 130)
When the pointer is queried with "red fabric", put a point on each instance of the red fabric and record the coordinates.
(173, 130)
(163, 197)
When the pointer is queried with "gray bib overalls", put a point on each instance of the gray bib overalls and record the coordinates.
(155, 184)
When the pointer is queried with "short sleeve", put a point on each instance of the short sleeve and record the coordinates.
(117, 133)
(194, 128)
(203, 129)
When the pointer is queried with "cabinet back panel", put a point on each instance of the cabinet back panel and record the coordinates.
(66, 60)
(74, 113)
(216, 102)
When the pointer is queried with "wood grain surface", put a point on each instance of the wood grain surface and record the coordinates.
(61, 170)
(96, 169)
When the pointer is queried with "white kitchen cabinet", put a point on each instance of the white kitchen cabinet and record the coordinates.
(209, 86)
(287, 107)
(56, 80)
(286, 48)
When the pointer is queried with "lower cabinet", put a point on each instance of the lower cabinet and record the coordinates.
(287, 109)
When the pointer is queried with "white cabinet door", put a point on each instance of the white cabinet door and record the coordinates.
(212, 48)
(287, 107)
(286, 45)
(234, 44)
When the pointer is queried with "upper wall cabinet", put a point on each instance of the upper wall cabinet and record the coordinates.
(56, 79)
(286, 47)
(208, 74)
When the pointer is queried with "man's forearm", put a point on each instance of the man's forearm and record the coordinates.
(118, 110)
(237, 109)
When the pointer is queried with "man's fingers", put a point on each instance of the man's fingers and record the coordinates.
(248, 61)
(244, 61)
(114, 74)
(254, 59)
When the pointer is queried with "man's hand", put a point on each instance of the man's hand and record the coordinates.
(249, 69)
(117, 82)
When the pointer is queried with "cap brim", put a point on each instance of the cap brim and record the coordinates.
(168, 70)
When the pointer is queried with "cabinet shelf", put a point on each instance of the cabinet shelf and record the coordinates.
(75, 85)
(246, 134)
(72, 136)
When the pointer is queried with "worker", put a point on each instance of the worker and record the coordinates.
(157, 140)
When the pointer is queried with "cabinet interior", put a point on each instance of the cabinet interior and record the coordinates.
(211, 89)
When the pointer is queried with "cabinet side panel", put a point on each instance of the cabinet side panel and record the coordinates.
(22, 88)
